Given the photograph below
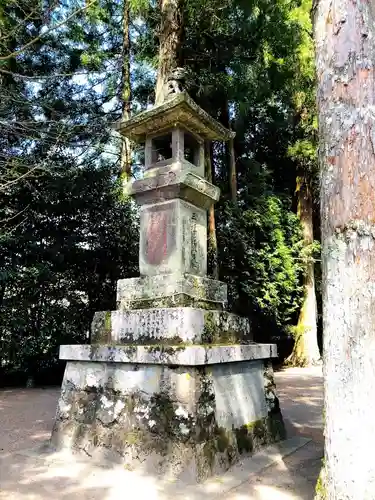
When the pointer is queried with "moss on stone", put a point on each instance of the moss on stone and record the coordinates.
(222, 439)
(152, 341)
(159, 424)
(94, 350)
(258, 430)
(320, 488)
(101, 328)
(251, 434)
(198, 287)
(108, 321)
(133, 437)
(244, 440)
(276, 427)
(217, 332)
(165, 348)
(130, 350)
(176, 300)
(169, 424)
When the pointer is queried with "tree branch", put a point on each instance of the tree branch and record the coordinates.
(36, 39)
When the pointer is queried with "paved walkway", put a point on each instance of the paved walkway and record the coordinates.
(26, 419)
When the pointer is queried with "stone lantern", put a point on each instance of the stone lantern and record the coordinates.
(174, 195)
(171, 379)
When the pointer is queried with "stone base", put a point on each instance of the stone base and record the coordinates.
(190, 412)
(173, 325)
(171, 290)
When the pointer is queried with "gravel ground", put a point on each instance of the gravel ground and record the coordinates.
(26, 418)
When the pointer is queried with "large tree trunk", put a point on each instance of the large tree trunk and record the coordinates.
(170, 42)
(213, 259)
(306, 349)
(345, 57)
(126, 95)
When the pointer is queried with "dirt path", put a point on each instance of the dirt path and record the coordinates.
(26, 418)
(294, 478)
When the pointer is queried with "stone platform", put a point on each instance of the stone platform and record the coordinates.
(192, 410)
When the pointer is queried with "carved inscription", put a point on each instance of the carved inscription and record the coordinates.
(194, 241)
(160, 234)
(185, 242)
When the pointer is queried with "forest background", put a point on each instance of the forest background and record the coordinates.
(68, 70)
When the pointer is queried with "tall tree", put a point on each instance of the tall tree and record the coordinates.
(126, 94)
(170, 43)
(232, 171)
(304, 153)
(213, 258)
(306, 350)
(345, 58)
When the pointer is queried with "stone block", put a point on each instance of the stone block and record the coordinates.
(175, 181)
(172, 355)
(235, 403)
(175, 325)
(187, 422)
(173, 239)
(178, 167)
(171, 290)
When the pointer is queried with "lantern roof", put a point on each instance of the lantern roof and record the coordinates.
(179, 111)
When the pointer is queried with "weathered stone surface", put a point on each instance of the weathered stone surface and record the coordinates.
(275, 417)
(235, 403)
(169, 325)
(178, 167)
(171, 290)
(183, 355)
(164, 419)
(171, 184)
(173, 239)
(181, 110)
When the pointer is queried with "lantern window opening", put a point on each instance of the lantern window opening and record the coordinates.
(162, 148)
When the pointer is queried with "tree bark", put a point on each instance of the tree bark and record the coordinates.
(306, 349)
(212, 239)
(126, 96)
(345, 56)
(170, 43)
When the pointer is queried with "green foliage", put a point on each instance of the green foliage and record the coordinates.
(252, 68)
(67, 233)
(61, 266)
(66, 237)
(260, 255)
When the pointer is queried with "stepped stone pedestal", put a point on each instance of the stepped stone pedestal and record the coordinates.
(172, 383)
